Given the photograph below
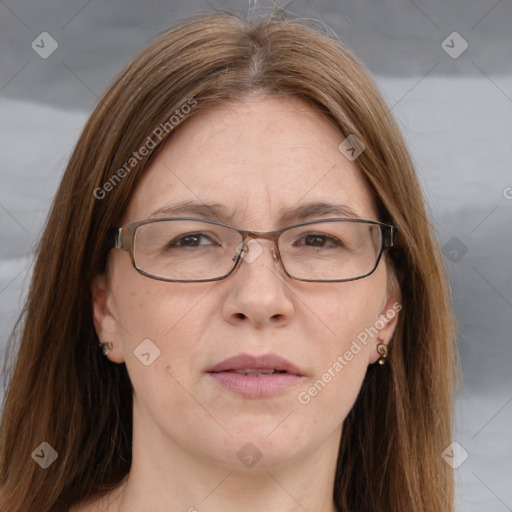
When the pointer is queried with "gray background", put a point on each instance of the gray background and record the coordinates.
(456, 114)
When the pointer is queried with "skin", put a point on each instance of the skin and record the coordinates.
(256, 158)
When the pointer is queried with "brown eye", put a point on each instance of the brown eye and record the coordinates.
(320, 240)
(191, 240)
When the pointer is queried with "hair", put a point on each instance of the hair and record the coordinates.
(62, 390)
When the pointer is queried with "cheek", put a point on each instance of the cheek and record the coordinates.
(346, 312)
(160, 342)
(331, 393)
(148, 308)
(159, 327)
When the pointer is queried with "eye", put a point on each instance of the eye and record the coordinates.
(191, 240)
(320, 240)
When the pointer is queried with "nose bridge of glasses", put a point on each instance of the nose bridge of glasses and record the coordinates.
(256, 237)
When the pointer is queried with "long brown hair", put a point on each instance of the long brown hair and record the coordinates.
(63, 391)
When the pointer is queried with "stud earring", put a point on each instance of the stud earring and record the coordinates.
(383, 351)
(106, 347)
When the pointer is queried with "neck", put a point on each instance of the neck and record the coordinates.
(165, 476)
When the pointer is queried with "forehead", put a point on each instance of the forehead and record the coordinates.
(256, 159)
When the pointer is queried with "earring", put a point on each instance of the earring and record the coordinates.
(106, 347)
(383, 351)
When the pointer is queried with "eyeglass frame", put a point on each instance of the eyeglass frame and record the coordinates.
(116, 239)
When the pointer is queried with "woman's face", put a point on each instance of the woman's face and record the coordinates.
(258, 160)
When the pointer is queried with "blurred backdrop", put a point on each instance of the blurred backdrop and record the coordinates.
(445, 69)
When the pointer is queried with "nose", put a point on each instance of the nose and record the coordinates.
(257, 292)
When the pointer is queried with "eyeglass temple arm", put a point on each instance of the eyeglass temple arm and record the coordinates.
(389, 236)
(116, 239)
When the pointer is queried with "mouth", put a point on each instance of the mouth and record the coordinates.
(256, 376)
(256, 366)
(252, 372)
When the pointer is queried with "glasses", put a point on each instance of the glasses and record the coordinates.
(192, 250)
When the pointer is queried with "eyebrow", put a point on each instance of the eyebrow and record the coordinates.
(219, 212)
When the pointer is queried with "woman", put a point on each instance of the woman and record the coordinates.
(238, 301)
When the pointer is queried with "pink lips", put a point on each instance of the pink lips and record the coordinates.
(240, 374)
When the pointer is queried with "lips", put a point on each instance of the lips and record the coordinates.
(245, 364)
(256, 376)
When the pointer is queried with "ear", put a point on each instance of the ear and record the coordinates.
(385, 325)
(105, 323)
